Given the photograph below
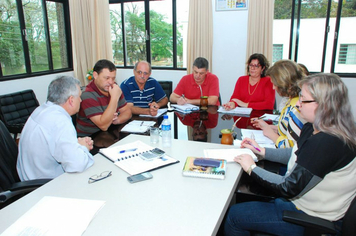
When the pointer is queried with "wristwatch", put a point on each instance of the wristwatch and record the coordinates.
(250, 169)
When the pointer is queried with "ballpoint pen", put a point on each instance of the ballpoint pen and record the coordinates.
(255, 147)
(128, 150)
(141, 123)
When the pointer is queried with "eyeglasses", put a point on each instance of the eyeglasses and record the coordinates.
(102, 176)
(192, 109)
(144, 73)
(254, 66)
(305, 101)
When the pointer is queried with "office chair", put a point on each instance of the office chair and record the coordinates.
(11, 188)
(317, 226)
(15, 108)
(167, 87)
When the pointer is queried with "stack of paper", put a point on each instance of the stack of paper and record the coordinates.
(270, 117)
(258, 136)
(159, 113)
(228, 154)
(138, 126)
(186, 108)
(236, 110)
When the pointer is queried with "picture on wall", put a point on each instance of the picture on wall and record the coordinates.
(231, 5)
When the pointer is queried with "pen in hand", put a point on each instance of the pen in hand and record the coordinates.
(128, 150)
(255, 147)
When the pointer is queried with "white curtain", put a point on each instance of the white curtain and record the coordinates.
(91, 35)
(200, 32)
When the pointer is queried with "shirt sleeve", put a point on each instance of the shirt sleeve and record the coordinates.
(126, 91)
(159, 93)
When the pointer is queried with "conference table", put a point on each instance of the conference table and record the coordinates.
(167, 204)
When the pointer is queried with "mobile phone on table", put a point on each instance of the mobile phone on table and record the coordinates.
(139, 177)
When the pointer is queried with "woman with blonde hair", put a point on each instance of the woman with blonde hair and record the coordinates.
(285, 75)
(321, 170)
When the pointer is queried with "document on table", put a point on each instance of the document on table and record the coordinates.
(159, 113)
(262, 140)
(56, 216)
(236, 110)
(267, 117)
(138, 126)
(186, 108)
(228, 154)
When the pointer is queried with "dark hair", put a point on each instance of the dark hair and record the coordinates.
(61, 88)
(103, 64)
(262, 60)
(285, 75)
(201, 62)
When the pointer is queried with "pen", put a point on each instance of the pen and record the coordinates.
(255, 147)
(183, 96)
(128, 150)
(261, 117)
(141, 123)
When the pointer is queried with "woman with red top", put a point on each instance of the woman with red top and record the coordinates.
(254, 90)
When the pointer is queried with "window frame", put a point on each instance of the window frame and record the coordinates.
(148, 35)
(294, 39)
(25, 47)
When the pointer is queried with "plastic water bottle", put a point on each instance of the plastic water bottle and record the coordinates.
(166, 132)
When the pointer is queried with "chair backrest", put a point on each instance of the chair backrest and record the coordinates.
(8, 159)
(348, 223)
(16, 107)
(167, 87)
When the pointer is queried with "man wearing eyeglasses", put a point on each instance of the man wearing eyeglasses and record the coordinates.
(142, 92)
(200, 83)
(103, 102)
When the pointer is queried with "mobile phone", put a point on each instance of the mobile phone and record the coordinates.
(139, 177)
(152, 154)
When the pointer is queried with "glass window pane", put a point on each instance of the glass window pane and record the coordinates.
(281, 28)
(116, 34)
(11, 49)
(135, 32)
(311, 34)
(57, 33)
(161, 35)
(35, 35)
(346, 49)
(182, 32)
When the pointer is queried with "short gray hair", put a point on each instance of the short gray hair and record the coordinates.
(61, 88)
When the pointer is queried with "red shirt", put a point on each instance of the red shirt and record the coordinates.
(261, 96)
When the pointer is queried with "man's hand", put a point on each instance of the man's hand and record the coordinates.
(181, 101)
(153, 109)
(87, 142)
(115, 92)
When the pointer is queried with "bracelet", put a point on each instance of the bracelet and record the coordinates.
(249, 171)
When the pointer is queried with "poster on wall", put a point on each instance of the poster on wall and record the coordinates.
(231, 5)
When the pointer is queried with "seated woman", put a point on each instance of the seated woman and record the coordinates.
(254, 90)
(285, 75)
(323, 158)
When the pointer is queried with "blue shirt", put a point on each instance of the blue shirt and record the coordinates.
(152, 92)
(49, 145)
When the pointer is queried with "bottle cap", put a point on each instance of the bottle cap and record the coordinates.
(165, 117)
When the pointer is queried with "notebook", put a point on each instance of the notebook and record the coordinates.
(204, 171)
(127, 157)
(237, 110)
(138, 126)
(186, 108)
(160, 112)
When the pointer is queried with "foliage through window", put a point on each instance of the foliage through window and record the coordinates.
(148, 30)
(34, 37)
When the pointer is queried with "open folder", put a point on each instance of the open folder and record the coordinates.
(127, 158)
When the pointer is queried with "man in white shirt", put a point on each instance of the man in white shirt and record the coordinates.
(49, 145)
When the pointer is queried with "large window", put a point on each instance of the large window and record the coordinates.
(34, 38)
(317, 33)
(151, 30)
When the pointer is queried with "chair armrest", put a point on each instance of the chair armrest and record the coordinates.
(305, 220)
(22, 188)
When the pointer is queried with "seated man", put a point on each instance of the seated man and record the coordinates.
(142, 92)
(201, 83)
(103, 102)
(48, 144)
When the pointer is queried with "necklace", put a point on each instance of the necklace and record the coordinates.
(249, 90)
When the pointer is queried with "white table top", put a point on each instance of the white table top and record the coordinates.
(167, 204)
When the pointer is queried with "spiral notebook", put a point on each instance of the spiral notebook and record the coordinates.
(127, 158)
(203, 171)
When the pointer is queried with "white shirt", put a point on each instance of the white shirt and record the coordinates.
(49, 145)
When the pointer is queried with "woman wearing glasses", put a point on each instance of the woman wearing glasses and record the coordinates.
(254, 90)
(285, 75)
(320, 178)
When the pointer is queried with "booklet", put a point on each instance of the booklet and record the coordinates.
(186, 108)
(138, 126)
(160, 112)
(203, 168)
(236, 110)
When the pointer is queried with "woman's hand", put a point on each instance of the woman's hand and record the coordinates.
(245, 161)
(253, 146)
(229, 106)
(240, 103)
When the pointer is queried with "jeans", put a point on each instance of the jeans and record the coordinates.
(262, 217)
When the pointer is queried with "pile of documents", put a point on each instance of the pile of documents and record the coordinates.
(138, 126)
(236, 110)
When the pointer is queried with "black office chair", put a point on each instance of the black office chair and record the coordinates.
(317, 226)
(167, 87)
(11, 188)
(15, 108)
